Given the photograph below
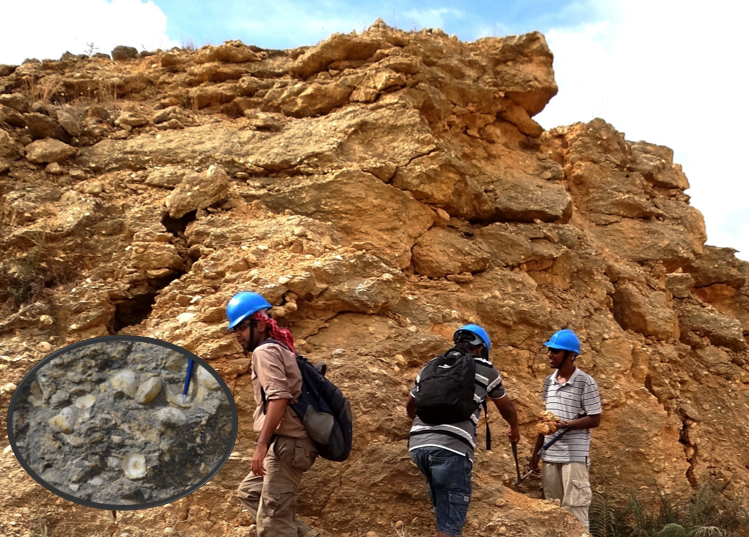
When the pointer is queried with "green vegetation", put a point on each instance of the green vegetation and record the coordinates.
(706, 514)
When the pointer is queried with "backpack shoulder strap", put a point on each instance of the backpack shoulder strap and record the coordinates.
(270, 341)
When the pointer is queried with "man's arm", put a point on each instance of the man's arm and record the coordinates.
(507, 410)
(586, 422)
(274, 413)
(535, 457)
(411, 407)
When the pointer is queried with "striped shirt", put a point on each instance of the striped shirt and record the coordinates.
(488, 384)
(569, 401)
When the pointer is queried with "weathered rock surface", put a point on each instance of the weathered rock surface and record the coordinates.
(705, 321)
(42, 126)
(198, 192)
(48, 150)
(8, 147)
(647, 312)
(122, 52)
(16, 101)
(439, 252)
(367, 210)
(381, 189)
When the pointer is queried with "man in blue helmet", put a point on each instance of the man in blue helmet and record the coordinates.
(571, 395)
(284, 450)
(442, 449)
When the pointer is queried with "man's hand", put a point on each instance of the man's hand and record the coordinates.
(513, 433)
(273, 416)
(533, 465)
(411, 406)
(257, 459)
(536, 450)
(585, 422)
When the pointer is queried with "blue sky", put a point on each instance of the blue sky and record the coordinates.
(669, 72)
(288, 23)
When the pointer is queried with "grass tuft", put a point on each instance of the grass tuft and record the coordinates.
(706, 514)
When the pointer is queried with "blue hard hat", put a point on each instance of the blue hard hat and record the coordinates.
(476, 330)
(564, 340)
(244, 304)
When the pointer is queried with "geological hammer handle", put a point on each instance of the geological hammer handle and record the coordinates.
(546, 446)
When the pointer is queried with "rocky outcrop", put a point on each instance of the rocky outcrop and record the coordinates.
(380, 189)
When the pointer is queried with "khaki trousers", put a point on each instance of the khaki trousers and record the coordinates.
(569, 483)
(272, 499)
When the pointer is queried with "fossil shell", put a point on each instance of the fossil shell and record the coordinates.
(85, 401)
(171, 416)
(176, 364)
(148, 390)
(126, 382)
(207, 380)
(36, 391)
(134, 466)
(65, 420)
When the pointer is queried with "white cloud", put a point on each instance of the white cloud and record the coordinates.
(429, 18)
(53, 27)
(669, 72)
(288, 23)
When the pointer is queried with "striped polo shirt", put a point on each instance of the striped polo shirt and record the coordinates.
(462, 435)
(568, 401)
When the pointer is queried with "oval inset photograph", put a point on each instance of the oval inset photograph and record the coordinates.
(122, 422)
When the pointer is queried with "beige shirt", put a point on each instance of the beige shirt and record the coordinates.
(274, 369)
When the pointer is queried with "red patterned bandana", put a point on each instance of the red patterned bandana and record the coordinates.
(274, 331)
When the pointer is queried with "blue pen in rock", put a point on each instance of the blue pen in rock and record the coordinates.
(187, 379)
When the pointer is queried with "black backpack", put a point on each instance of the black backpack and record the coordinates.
(445, 390)
(324, 411)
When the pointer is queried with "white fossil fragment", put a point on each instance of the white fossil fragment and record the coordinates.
(65, 420)
(134, 466)
(126, 382)
(207, 380)
(85, 401)
(148, 390)
(171, 416)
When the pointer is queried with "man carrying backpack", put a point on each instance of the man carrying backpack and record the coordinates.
(572, 396)
(445, 406)
(284, 450)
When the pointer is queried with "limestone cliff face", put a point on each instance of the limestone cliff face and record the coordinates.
(380, 189)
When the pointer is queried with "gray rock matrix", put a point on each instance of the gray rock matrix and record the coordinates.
(105, 423)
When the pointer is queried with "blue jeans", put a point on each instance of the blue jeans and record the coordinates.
(448, 478)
